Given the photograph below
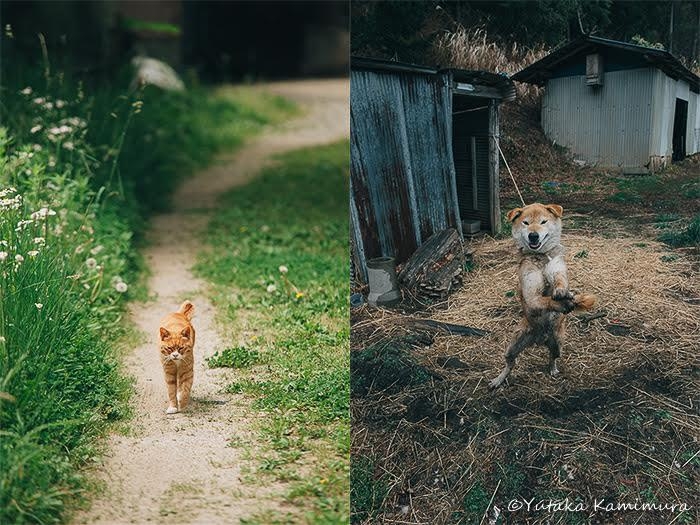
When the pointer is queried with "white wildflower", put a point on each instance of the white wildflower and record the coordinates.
(39, 100)
(3, 256)
(271, 288)
(13, 204)
(36, 128)
(7, 191)
(52, 162)
(86, 286)
(50, 185)
(264, 228)
(4, 243)
(42, 213)
(27, 91)
(79, 249)
(283, 269)
(39, 306)
(69, 146)
(97, 249)
(39, 240)
(19, 258)
(48, 105)
(121, 287)
(2, 339)
(60, 103)
(90, 262)
(33, 253)
(21, 225)
(37, 147)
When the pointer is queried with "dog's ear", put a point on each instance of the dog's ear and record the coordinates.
(514, 214)
(555, 209)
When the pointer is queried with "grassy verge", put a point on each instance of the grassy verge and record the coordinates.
(281, 243)
(81, 166)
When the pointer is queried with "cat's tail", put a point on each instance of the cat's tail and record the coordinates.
(187, 309)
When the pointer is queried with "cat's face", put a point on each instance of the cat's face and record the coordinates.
(175, 345)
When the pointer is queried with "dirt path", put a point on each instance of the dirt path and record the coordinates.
(179, 468)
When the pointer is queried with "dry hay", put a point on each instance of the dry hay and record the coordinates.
(621, 423)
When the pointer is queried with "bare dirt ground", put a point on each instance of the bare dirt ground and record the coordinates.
(179, 468)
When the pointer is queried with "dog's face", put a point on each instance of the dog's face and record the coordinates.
(536, 227)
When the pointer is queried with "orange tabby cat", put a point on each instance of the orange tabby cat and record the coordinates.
(177, 356)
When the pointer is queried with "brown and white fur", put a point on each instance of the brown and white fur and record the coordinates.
(544, 285)
(177, 355)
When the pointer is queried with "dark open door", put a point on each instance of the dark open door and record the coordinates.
(470, 150)
(680, 125)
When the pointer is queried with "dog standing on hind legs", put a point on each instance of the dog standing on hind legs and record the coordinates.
(544, 285)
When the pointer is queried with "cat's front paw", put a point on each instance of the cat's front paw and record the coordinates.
(171, 410)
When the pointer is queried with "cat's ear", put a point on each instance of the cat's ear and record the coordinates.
(164, 334)
(185, 332)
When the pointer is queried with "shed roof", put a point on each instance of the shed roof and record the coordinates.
(501, 82)
(540, 71)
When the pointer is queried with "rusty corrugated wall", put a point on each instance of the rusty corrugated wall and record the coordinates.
(402, 172)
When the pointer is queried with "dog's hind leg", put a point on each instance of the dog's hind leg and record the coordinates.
(521, 341)
(554, 343)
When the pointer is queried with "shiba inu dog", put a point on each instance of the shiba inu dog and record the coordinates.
(544, 286)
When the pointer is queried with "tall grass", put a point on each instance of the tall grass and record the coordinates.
(471, 48)
(63, 261)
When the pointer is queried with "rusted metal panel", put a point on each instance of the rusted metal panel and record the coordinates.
(401, 162)
(426, 100)
(380, 166)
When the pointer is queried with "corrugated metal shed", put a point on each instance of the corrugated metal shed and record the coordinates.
(404, 186)
(628, 121)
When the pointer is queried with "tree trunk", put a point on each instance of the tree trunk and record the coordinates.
(670, 28)
(436, 266)
(696, 54)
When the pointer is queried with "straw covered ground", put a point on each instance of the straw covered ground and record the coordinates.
(431, 444)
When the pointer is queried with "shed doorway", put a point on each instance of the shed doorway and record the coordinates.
(470, 150)
(680, 125)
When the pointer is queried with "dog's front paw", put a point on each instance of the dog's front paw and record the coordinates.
(564, 305)
(562, 293)
(171, 410)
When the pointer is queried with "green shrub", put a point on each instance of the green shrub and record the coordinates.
(687, 236)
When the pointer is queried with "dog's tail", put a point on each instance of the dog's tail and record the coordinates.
(584, 301)
(187, 309)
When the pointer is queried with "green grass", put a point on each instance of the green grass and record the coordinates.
(101, 159)
(237, 357)
(367, 490)
(281, 243)
(688, 235)
(387, 365)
